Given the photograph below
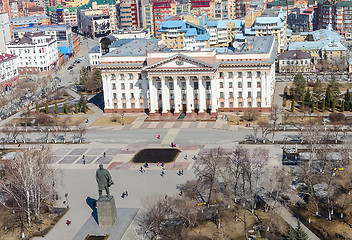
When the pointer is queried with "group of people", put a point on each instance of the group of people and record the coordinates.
(124, 194)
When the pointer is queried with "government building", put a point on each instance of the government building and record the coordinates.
(140, 75)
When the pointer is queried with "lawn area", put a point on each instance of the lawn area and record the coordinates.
(72, 121)
(233, 120)
(297, 120)
(108, 121)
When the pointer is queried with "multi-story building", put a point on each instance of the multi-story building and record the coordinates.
(98, 18)
(128, 14)
(142, 76)
(29, 21)
(272, 24)
(301, 20)
(63, 15)
(295, 61)
(67, 41)
(131, 33)
(37, 53)
(5, 32)
(338, 14)
(8, 71)
(77, 3)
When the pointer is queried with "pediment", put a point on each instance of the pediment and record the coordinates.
(180, 61)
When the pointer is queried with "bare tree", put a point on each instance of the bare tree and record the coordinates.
(81, 129)
(28, 181)
(275, 114)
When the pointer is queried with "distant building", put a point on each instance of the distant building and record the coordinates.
(142, 76)
(98, 18)
(29, 21)
(295, 61)
(5, 32)
(128, 14)
(63, 15)
(301, 20)
(8, 71)
(37, 53)
(131, 33)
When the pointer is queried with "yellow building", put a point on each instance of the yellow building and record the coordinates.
(77, 3)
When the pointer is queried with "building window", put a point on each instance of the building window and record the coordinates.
(240, 104)
(140, 95)
(160, 96)
(132, 105)
(123, 95)
(258, 74)
(113, 76)
(221, 74)
(171, 85)
(249, 94)
(221, 104)
(249, 84)
(124, 105)
(231, 104)
(221, 94)
(122, 76)
(231, 94)
(130, 75)
(208, 95)
(196, 96)
(249, 74)
(115, 105)
(183, 85)
(131, 85)
(239, 84)
(158, 85)
(259, 104)
(230, 84)
(230, 74)
(196, 85)
(122, 86)
(114, 95)
(171, 96)
(249, 104)
(184, 96)
(132, 95)
(207, 85)
(239, 94)
(258, 85)
(221, 85)
(239, 74)
(113, 86)
(259, 94)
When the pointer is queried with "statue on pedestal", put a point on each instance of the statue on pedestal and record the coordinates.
(104, 180)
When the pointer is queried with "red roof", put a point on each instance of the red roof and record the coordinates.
(5, 56)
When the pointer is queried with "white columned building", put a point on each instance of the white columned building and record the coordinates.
(144, 77)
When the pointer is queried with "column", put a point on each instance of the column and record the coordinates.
(214, 94)
(189, 96)
(152, 95)
(106, 90)
(177, 95)
(136, 92)
(164, 95)
(118, 93)
(128, 93)
(145, 91)
(226, 91)
(201, 94)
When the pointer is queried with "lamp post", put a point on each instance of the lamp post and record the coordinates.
(122, 122)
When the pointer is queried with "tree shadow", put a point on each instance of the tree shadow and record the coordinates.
(92, 203)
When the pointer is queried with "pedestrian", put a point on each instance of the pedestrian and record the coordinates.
(141, 169)
(84, 162)
(165, 196)
(162, 164)
(19, 145)
(185, 157)
(181, 193)
(158, 136)
(123, 195)
(68, 222)
(182, 172)
(158, 164)
(172, 144)
(126, 193)
(162, 173)
(146, 164)
(104, 154)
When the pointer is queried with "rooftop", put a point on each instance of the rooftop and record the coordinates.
(134, 47)
(27, 20)
(42, 28)
(27, 38)
(5, 57)
(294, 54)
(324, 44)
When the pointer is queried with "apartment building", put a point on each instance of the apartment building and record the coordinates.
(62, 15)
(8, 71)
(128, 14)
(5, 32)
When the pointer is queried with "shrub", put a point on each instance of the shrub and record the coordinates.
(250, 114)
(337, 117)
(65, 94)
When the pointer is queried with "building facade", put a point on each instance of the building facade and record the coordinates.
(128, 14)
(5, 32)
(29, 21)
(142, 76)
(295, 61)
(8, 71)
(63, 15)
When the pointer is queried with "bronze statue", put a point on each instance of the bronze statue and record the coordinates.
(104, 180)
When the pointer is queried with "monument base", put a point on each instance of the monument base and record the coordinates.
(106, 211)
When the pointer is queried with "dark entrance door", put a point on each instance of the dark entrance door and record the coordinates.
(184, 108)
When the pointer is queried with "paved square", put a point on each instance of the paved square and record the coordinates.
(78, 151)
(112, 151)
(62, 151)
(120, 166)
(94, 151)
(88, 159)
(54, 159)
(103, 160)
(68, 159)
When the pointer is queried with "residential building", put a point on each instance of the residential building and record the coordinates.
(63, 15)
(128, 14)
(295, 61)
(131, 33)
(143, 76)
(5, 32)
(19, 9)
(37, 53)
(36, 10)
(321, 44)
(77, 3)
(338, 14)
(8, 71)
(67, 41)
(272, 24)
(301, 20)
(98, 18)
(29, 21)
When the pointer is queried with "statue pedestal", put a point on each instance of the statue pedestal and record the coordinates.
(106, 211)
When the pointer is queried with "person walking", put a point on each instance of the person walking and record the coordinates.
(104, 154)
